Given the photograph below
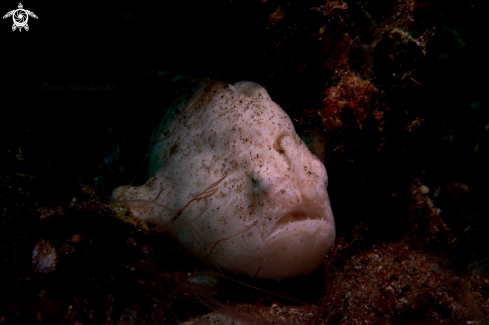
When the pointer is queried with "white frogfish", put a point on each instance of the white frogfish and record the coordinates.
(231, 180)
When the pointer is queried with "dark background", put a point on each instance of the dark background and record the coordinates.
(124, 46)
(70, 137)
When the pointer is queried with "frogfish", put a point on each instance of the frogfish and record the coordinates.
(232, 182)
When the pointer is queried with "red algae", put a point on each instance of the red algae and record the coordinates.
(351, 94)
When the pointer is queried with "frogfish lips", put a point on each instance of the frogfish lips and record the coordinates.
(298, 241)
(294, 223)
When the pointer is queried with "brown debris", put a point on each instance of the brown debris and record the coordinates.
(387, 281)
(425, 215)
(414, 125)
(44, 257)
(338, 55)
(351, 94)
(330, 7)
(277, 16)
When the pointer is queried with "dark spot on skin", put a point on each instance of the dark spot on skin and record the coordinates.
(173, 150)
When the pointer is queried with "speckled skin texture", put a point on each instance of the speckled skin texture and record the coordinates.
(232, 181)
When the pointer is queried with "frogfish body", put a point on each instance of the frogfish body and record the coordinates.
(231, 180)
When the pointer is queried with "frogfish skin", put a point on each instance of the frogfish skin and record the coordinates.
(231, 181)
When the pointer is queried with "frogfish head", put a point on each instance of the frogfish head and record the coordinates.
(236, 186)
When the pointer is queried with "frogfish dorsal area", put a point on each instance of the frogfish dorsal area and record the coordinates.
(231, 180)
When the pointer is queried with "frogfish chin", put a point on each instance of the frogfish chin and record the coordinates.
(230, 179)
